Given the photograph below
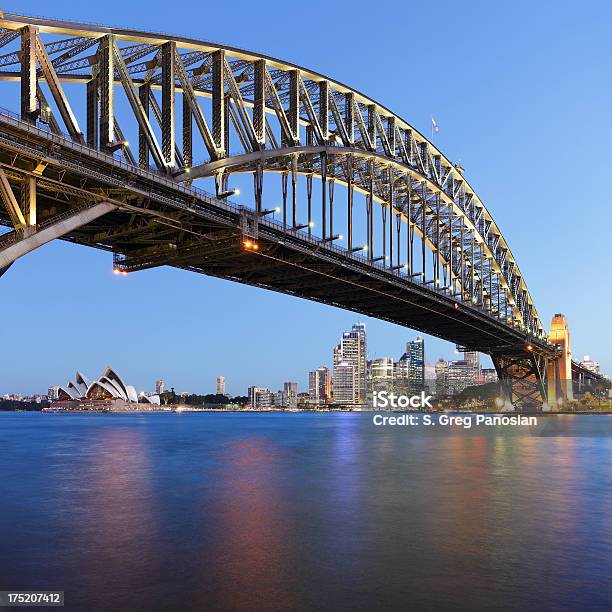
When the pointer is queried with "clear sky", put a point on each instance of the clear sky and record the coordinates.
(522, 93)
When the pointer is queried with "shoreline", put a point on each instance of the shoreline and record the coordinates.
(324, 411)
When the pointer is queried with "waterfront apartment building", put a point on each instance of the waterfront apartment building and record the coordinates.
(220, 385)
(352, 351)
(53, 393)
(260, 398)
(319, 385)
(589, 364)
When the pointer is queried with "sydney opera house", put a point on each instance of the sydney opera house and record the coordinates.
(109, 392)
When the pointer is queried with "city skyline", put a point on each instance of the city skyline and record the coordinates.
(218, 381)
(149, 340)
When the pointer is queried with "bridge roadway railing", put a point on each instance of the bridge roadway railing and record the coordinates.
(41, 129)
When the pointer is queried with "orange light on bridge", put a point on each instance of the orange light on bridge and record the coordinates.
(456, 306)
(249, 244)
(529, 348)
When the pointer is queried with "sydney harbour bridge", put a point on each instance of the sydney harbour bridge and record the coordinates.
(109, 131)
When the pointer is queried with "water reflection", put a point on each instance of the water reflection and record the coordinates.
(241, 512)
(251, 545)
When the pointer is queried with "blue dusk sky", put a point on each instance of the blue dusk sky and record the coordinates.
(522, 92)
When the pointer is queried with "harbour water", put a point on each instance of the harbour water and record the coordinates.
(200, 511)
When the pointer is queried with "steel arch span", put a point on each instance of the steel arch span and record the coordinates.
(399, 235)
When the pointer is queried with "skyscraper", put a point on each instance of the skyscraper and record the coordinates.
(411, 367)
(319, 385)
(460, 374)
(472, 358)
(380, 376)
(352, 351)
(220, 385)
(290, 395)
(416, 350)
(345, 383)
(159, 386)
(441, 369)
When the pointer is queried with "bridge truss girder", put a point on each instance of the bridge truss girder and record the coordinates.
(273, 108)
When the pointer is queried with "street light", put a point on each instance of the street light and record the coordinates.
(271, 211)
(228, 193)
(332, 238)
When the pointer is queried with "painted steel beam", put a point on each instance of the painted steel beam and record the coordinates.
(10, 202)
(93, 114)
(4, 269)
(137, 108)
(144, 93)
(57, 91)
(28, 73)
(259, 101)
(196, 111)
(28, 199)
(218, 101)
(106, 80)
(18, 249)
(168, 52)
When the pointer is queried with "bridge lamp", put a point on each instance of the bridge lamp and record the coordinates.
(302, 226)
(311, 224)
(499, 402)
(249, 244)
(529, 348)
(181, 171)
(360, 248)
(332, 238)
(263, 213)
(456, 306)
(228, 193)
(115, 146)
